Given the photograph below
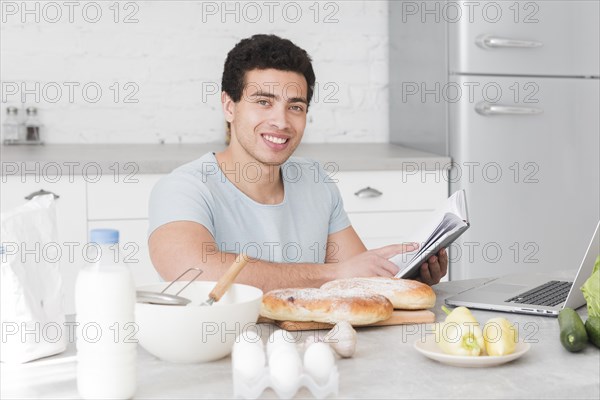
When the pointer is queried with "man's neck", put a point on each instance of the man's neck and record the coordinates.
(261, 182)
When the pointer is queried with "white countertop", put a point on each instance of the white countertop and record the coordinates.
(163, 158)
(384, 366)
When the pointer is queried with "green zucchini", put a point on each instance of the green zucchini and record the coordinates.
(573, 335)
(592, 326)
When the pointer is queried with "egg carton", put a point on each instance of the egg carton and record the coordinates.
(252, 390)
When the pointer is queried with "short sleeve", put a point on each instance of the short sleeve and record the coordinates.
(180, 196)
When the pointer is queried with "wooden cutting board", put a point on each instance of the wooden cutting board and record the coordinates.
(398, 317)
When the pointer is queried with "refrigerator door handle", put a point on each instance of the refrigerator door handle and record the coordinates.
(485, 108)
(493, 42)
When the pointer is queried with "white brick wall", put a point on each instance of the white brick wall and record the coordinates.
(174, 52)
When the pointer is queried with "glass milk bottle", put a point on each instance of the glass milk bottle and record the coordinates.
(104, 303)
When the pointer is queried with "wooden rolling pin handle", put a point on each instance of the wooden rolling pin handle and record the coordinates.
(227, 279)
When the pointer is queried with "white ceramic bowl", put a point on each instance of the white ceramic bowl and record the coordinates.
(194, 333)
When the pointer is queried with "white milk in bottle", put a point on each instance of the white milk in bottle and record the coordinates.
(105, 303)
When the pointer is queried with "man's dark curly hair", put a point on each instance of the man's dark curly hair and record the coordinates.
(264, 52)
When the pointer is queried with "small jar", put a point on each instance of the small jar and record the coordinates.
(32, 125)
(11, 127)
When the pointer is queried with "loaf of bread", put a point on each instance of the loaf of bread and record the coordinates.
(356, 306)
(405, 294)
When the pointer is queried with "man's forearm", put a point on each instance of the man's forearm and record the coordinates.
(261, 274)
(177, 246)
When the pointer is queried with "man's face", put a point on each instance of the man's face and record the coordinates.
(269, 120)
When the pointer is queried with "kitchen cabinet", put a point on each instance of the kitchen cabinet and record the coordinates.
(404, 190)
(121, 202)
(120, 197)
(385, 207)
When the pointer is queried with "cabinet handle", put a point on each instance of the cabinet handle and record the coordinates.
(368, 192)
(484, 108)
(41, 192)
(492, 42)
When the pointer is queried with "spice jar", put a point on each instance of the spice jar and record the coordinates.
(10, 127)
(32, 125)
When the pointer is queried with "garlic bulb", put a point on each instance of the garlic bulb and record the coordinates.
(342, 339)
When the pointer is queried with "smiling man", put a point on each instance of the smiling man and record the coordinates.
(254, 197)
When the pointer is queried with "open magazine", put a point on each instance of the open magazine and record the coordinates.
(447, 224)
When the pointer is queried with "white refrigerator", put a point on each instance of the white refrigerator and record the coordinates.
(520, 109)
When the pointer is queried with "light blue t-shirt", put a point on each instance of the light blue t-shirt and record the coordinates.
(294, 230)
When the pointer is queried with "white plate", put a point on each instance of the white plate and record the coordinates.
(429, 348)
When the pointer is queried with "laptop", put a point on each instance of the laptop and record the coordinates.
(532, 293)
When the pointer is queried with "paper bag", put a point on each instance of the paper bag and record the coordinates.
(31, 303)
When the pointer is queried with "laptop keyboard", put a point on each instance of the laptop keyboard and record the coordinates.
(549, 294)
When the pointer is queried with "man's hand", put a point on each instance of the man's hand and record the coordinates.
(372, 263)
(434, 269)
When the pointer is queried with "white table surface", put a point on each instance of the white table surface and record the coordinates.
(385, 366)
